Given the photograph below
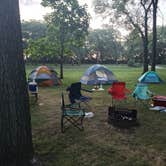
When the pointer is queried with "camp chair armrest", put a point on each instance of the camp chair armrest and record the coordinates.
(127, 90)
(68, 88)
(110, 90)
(86, 90)
(73, 106)
(74, 109)
(150, 93)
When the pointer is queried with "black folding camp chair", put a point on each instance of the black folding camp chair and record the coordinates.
(75, 95)
(71, 115)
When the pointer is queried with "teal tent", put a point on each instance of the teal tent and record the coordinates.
(150, 77)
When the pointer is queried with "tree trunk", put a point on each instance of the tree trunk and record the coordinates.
(61, 68)
(61, 51)
(154, 43)
(15, 122)
(145, 45)
(61, 61)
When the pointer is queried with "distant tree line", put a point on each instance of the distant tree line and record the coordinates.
(100, 46)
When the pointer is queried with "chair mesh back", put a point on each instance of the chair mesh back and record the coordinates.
(32, 87)
(141, 91)
(74, 91)
(118, 89)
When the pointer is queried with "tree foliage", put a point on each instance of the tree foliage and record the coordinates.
(133, 47)
(131, 13)
(103, 43)
(161, 45)
(69, 23)
(32, 30)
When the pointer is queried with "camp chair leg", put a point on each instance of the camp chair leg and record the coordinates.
(119, 103)
(82, 127)
(146, 103)
(112, 102)
(36, 96)
(78, 123)
(142, 103)
(69, 117)
(62, 125)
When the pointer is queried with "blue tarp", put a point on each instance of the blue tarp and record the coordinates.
(97, 74)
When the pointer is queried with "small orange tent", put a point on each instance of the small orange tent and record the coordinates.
(44, 76)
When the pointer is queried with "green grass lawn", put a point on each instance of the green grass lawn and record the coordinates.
(100, 144)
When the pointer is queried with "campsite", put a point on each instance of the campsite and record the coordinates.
(100, 143)
(82, 83)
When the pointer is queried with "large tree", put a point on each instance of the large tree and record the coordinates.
(15, 123)
(161, 45)
(154, 41)
(69, 21)
(132, 13)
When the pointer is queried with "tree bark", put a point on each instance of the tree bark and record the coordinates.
(154, 42)
(15, 122)
(61, 62)
(145, 39)
(145, 44)
(61, 52)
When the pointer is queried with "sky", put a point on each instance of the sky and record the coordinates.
(31, 9)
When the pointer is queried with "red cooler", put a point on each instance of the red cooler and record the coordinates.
(159, 101)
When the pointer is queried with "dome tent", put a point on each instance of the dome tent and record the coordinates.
(44, 76)
(150, 77)
(97, 74)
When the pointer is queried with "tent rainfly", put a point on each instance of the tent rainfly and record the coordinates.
(98, 74)
(150, 77)
(44, 76)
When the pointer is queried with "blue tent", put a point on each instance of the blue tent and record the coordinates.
(97, 74)
(150, 77)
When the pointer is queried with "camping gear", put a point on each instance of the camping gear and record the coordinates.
(44, 76)
(97, 74)
(98, 88)
(122, 117)
(75, 93)
(101, 87)
(142, 93)
(33, 89)
(89, 114)
(71, 115)
(150, 77)
(118, 91)
(159, 101)
(158, 108)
